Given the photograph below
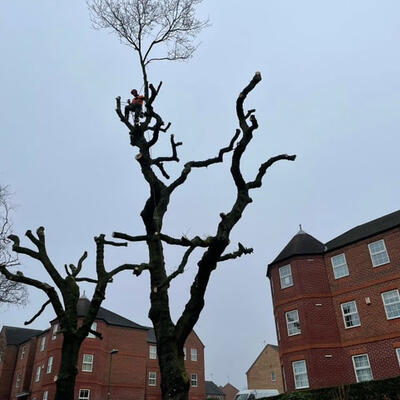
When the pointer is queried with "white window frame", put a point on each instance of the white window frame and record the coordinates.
(23, 350)
(50, 364)
(93, 327)
(296, 330)
(374, 264)
(273, 376)
(87, 366)
(303, 362)
(43, 343)
(153, 352)
(81, 396)
(283, 276)
(38, 371)
(350, 314)
(152, 379)
(194, 382)
(54, 332)
(45, 395)
(18, 380)
(337, 265)
(398, 355)
(362, 368)
(193, 354)
(384, 303)
(184, 353)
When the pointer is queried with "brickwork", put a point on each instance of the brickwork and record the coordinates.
(230, 391)
(265, 373)
(325, 343)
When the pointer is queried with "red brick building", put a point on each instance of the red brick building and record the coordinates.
(337, 306)
(29, 361)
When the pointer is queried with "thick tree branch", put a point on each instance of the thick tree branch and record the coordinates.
(174, 156)
(122, 116)
(205, 163)
(22, 250)
(38, 313)
(184, 241)
(136, 268)
(84, 279)
(95, 333)
(129, 238)
(231, 256)
(263, 169)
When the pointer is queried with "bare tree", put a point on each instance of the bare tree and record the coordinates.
(134, 21)
(10, 292)
(65, 306)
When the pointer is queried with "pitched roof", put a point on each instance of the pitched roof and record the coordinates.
(16, 336)
(151, 336)
(301, 244)
(109, 317)
(229, 386)
(273, 346)
(366, 230)
(213, 389)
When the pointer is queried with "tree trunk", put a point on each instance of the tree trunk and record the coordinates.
(68, 370)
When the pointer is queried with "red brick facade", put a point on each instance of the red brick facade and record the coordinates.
(324, 343)
(130, 366)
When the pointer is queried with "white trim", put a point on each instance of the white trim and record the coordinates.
(351, 314)
(398, 355)
(193, 355)
(303, 362)
(43, 343)
(384, 304)
(18, 380)
(362, 368)
(378, 252)
(93, 327)
(45, 395)
(152, 352)
(87, 366)
(23, 351)
(273, 376)
(152, 378)
(194, 381)
(37, 376)
(49, 364)
(287, 279)
(54, 332)
(293, 323)
(337, 266)
(80, 397)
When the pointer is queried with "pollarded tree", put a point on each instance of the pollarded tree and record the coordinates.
(144, 25)
(65, 306)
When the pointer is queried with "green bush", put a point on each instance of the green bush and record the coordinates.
(387, 389)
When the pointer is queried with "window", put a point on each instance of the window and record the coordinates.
(50, 364)
(398, 355)
(273, 376)
(84, 394)
(300, 374)
(152, 352)
(379, 255)
(93, 328)
(293, 323)
(87, 364)
(362, 368)
(193, 380)
(391, 301)
(37, 377)
(43, 343)
(54, 333)
(23, 350)
(193, 354)
(45, 395)
(18, 381)
(184, 353)
(285, 275)
(152, 378)
(339, 266)
(350, 314)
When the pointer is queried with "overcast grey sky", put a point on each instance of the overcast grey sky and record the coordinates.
(330, 93)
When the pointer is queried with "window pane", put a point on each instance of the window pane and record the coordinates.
(285, 274)
(391, 301)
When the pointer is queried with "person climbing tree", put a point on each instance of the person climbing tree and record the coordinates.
(135, 105)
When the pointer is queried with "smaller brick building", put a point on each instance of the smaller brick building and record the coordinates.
(30, 359)
(265, 372)
(230, 391)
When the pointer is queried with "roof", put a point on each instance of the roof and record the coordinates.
(273, 346)
(16, 336)
(301, 244)
(366, 230)
(151, 336)
(304, 244)
(109, 317)
(213, 389)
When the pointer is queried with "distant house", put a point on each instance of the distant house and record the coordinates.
(337, 306)
(265, 372)
(30, 360)
(213, 391)
(230, 391)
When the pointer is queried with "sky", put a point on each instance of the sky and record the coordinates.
(330, 94)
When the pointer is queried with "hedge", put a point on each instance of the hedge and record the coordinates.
(387, 389)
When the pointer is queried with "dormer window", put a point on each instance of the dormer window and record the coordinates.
(285, 275)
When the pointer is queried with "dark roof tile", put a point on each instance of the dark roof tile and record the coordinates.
(213, 389)
(16, 336)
